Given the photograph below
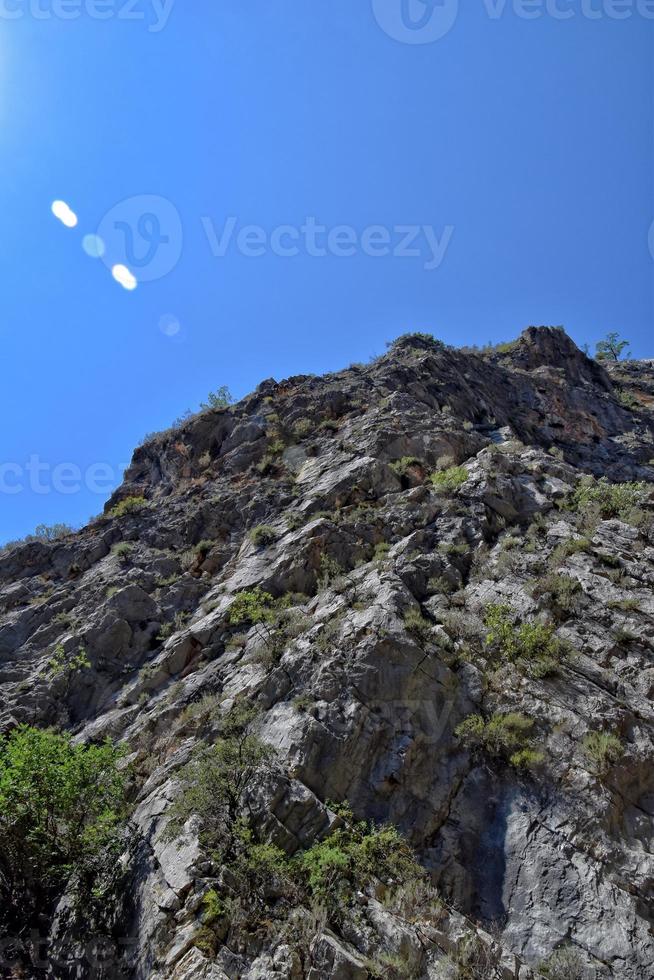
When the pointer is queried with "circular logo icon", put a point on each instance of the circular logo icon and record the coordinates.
(144, 234)
(416, 21)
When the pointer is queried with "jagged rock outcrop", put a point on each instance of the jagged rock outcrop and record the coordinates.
(390, 577)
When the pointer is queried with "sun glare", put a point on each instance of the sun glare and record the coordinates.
(64, 213)
(124, 277)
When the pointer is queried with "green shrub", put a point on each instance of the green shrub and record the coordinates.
(418, 626)
(260, 879)
(611, 348)
(303, 429)
(173, 626)
(59, 664)
(602, 749)
(213, 783)
(221, 398)
(449, 480)
(44, 532)
(129, 505)
(453, 550)
(572, 546)
(503, 735)
(609, 499)
(330, 571)
(528, 759)
(505, 348)
(212, 907)
(441, 585)
(533, 646)
(381, 551)
(564, 963)
(61, 810)
(624, 605)
(422, 338)
(123, 550)
(263, 535)
(473, 959)
(400, 466)
(351, 858)
(627, 400)
(564, 594)
(253, 606)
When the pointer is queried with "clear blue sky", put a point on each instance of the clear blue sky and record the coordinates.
(524, 146)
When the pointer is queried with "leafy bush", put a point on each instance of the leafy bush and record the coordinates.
(43, 532)
(172, 626)
(330, 571)
(129, 505)
(611, 348)
(418, 626)
(563, 591)
(123, 550)
(602, 749)
(263, 536)
(260, 877)
(473, 960)
(194, 557)
(627, 400)
(59, 664)
(220, 398)
(406, 339)
(572, 546)
(303, 429)
(449, 480)
(564, 963)
(351, 858)
(61, 810)
(400, 466)
(453, 550)
(213, 783)
(253, 606)
(624, 605)
(503, 735)
(532, 646)
(609, 499)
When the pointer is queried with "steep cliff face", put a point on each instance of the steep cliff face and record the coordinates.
(450, 629)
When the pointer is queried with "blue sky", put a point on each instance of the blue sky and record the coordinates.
(512, 158)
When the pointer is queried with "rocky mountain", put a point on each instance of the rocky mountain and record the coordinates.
(416, 593)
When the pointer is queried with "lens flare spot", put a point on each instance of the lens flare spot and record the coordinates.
(169, 325)
(94, 246)
(124, 277)
(64, 213)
